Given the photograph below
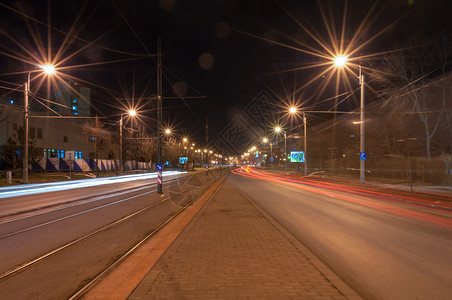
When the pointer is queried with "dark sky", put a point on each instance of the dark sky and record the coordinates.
(226, 50)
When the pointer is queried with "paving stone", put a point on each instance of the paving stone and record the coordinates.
(230, 250)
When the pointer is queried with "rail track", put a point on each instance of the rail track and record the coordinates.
(84, 258)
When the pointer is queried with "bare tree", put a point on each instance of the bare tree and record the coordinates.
(144, 143)
(96, 137)
(441, 55)
(406, 90)
(171, 151)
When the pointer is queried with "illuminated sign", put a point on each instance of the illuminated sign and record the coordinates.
(183, 160)
(296, 156)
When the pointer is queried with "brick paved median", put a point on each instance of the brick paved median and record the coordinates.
(231, 250)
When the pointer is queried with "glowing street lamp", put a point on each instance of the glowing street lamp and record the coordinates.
(293, 110)
(340, 61)
(49, 70)
(131, 113)
(185, 140)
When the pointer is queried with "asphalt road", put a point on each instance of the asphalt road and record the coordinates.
(381, 248)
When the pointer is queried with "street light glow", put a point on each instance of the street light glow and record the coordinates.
(293, 110)
(265, 140)
(48, 69)
(278, 129)
(132, 112)
(167, 131)
(340, 60)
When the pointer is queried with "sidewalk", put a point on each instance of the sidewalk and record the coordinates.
(232, 250)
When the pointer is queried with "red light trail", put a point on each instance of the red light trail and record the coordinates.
(336, 190)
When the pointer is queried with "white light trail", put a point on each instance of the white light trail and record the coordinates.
(30, 189)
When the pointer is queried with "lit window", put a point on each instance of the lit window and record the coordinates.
(11, 101)
(75, 100)
(45, 153)
(62, 153)
(74, 107)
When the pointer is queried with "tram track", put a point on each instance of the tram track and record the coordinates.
(99, 250)
(151, 189)
(77, 201)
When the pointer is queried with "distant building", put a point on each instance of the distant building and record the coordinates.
(53, 136)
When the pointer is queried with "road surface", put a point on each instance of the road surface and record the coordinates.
(383, 247)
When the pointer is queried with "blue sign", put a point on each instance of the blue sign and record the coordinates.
(183, 160)
(272, 159)
(159, 167)
(296, 156)
(363, 155)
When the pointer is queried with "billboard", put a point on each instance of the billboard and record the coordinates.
(183, 160)
(296, 156)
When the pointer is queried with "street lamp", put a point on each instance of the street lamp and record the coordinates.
(305, 145)
(185, 140)
(131, 113)
(265, 140)
(293, 110)
(340, 61)
(278, 130)
(49, 70)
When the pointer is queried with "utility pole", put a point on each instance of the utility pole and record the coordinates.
(25, 160)
(120, 146)
(159, 110)
(362, 169)
(305, 146)
(207, 139)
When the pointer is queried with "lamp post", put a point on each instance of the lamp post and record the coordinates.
(49, 70)
(131, 113)
(159, 113)
(185, 140)
(278, 130)
(305, 146)
(293, 110)
(341, 61)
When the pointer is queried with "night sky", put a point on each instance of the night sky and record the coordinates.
(218, 54)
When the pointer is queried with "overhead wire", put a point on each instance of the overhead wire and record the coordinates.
(73, 36)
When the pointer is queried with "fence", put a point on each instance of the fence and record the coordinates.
(86, 165)
(400, 168)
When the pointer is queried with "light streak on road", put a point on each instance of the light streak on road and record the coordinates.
(29, 189)
(339, 194)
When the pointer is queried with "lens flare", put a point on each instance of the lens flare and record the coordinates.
(340, 60)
